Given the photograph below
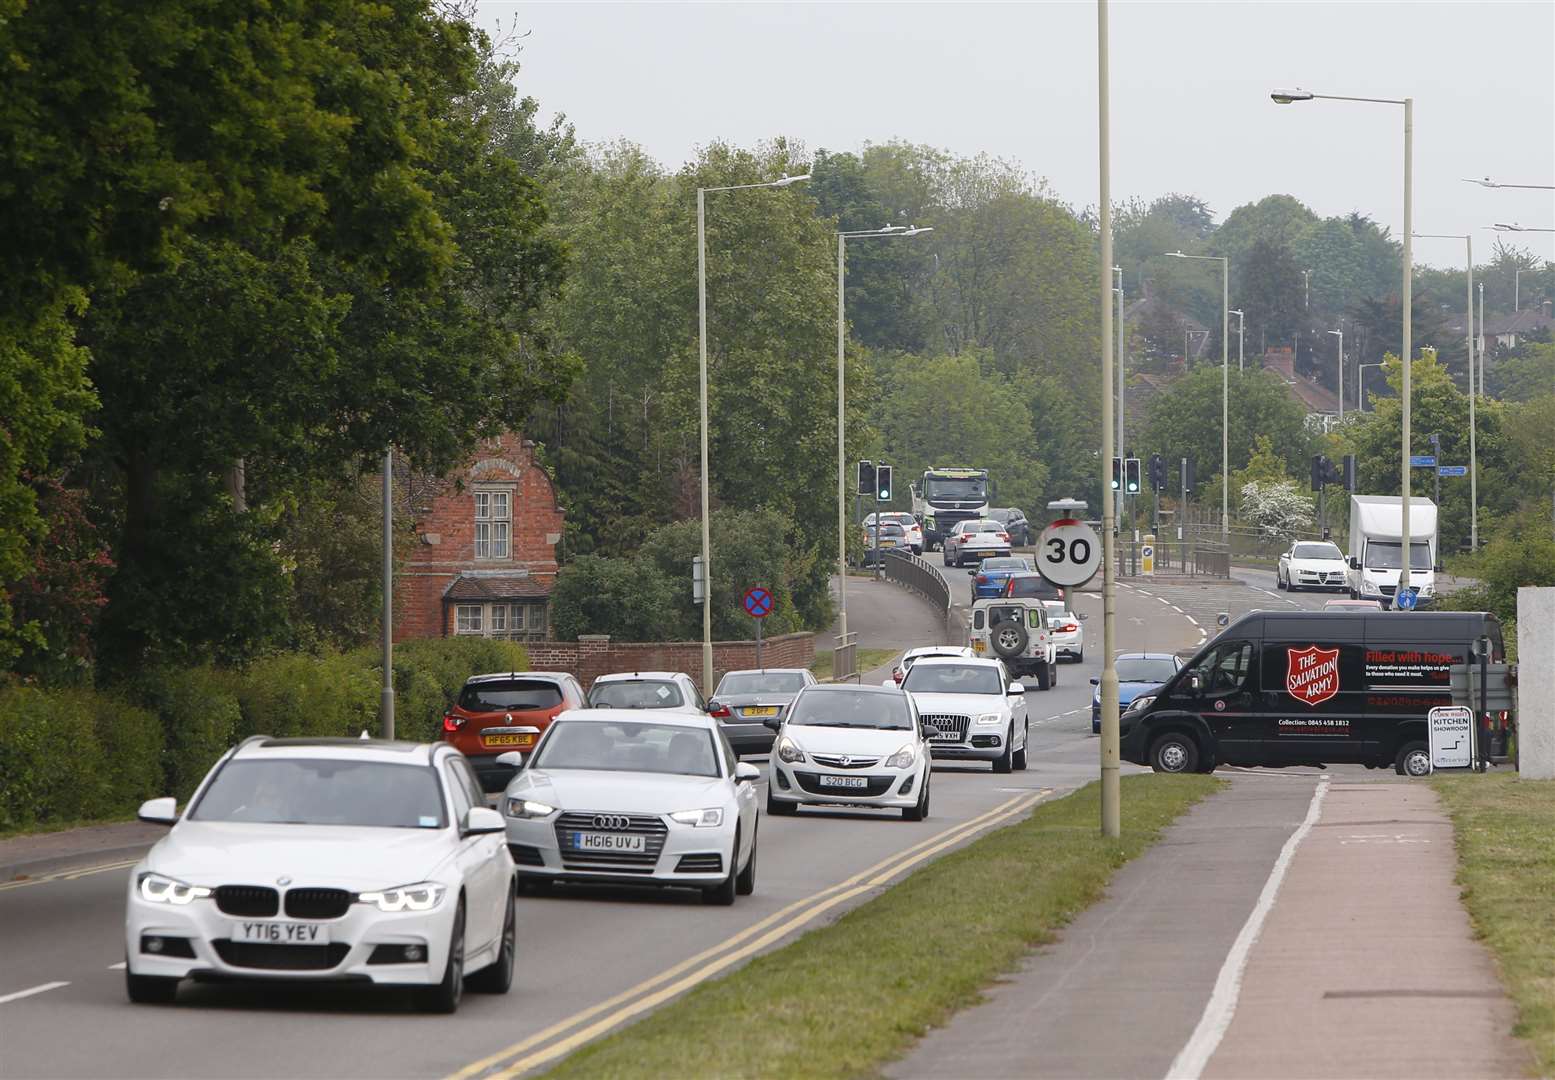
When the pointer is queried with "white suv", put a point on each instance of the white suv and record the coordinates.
(977, 712)
(646, 690)
(1015, 629)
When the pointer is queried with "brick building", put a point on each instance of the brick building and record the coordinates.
(485, 554)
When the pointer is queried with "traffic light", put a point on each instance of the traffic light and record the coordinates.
(1349, 473)
(1131, 476)
(883, 482)
(1319, 472)
(1189, 481)
(1157, 473)
(1117, 474)
(866, 478)
(1326, 472)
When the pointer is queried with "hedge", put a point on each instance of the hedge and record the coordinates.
(160, 733)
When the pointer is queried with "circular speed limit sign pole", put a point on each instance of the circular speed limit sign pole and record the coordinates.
(1068, 553)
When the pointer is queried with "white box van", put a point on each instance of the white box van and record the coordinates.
(1376, 536)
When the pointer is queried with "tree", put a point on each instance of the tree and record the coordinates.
(1524, 373)
(1349, 257)
(1276, 506)
(627, 598)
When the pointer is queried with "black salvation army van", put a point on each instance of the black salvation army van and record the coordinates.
(1308, 688)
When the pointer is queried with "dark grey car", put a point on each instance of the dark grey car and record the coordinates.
(746, 700)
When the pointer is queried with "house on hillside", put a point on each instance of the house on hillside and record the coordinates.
(485, 554)
(1321, 403)
(1506, 330)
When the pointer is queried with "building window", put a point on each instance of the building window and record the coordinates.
(469, 619)
(493, 523)
(514, 622)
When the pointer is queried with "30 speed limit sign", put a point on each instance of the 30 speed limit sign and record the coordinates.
(1068, 552)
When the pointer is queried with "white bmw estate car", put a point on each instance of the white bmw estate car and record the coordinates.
(978, 710)
(632, 796)
(845, 745)
(326, 859)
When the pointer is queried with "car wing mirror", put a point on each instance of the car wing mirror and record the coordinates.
(971, 573)
(163, 811)
(930, 732)
(1080, 615)
(745, 773)
(1095, 681)
(1196, 683)
(1016, 688)
(773, 722)
(513, 758)
(481, 820)
(1355, 564)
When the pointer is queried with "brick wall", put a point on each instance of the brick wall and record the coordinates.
(590, 657)
(445, 532)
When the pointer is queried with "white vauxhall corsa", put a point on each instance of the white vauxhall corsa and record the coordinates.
(330, 859)
(978, 710)
(850, 746)
(629, 796)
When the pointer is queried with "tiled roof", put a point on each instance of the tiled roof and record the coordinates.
(478, 587)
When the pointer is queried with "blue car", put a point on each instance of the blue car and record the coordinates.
(991, 574)
(1138, 673)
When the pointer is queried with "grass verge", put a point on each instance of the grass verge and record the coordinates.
(867, 660)
(846, 998)
(1506, 867)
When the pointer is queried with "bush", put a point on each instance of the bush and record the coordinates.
(295, 694)
(59, 769)
(200, 720)
(428, 675)
(628, 598)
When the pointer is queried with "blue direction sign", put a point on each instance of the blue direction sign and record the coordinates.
(1405, 600)
(758, 602)
(1423, 461)
(1452, 470)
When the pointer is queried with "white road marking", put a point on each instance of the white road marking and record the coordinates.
(41, 988)
(1190, 618)
(1143, 592)
(117, 967)
(1218, 1011)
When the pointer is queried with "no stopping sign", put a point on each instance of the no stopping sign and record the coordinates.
(1068, 552)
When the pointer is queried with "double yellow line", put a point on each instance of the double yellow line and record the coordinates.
(554, 1042)
(67, 875)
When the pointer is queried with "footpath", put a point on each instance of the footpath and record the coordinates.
(1290, 926)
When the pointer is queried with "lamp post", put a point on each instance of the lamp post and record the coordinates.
(386, 695)
(1122, 384)
(1360, 384)
(1481, 337)
(1287, 97)
(1111, 800)
(1489, 183)
(1225, 384)
(1517, 290)
(707, 544)
(1503, 226)
(1240, 326)
(842, 452)
(1468, 259)
(1306, 289)
(1341, 373)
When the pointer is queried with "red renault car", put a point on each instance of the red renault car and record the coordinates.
(506, 711)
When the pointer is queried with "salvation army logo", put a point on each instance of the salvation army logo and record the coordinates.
(1312, 674)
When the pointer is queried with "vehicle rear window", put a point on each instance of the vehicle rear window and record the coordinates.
(506, 694)
(323, 791)
(636, 694)
(765, 682)
(1031, 585)
(1005, 564)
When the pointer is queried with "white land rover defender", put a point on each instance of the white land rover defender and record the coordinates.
(1015, 629)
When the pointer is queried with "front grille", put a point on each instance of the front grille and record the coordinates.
(700, 864)
(874, 785)
(652, 829)
(1389, 590)
(845, 762)
(317, 903)
(248, 901)
(951, 728)
(526, 855)
(281, 957)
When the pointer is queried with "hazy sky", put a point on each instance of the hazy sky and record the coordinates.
(1190, 83)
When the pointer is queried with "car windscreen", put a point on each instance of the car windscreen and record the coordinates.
(1384, 555)
(1145, 669)
(852, 709)
(1005, 564)
(953, 679)
(1316, 551)
(323, 791)
(971, 488)
(627, 747)
(496, 696)
(765, 682)
(636, 694)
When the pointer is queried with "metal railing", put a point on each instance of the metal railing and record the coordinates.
(1175, 558)
(911, 572)
(844, 659)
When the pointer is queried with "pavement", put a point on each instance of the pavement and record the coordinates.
(1295, 925)
(41, 854)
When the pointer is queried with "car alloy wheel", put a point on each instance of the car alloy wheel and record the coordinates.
(497, 977)
(444, 996)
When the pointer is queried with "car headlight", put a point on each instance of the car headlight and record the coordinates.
(420, 897)
(524, 808)
(710, 818)
(166, 890)
(990, 718)
(788, 751)
(903, 758)
(1142, 702)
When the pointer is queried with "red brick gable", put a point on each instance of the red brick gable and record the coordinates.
(444, 556)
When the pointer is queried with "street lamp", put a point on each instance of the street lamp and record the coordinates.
(842, 453)
(1107, 684)
(1489, 183)
(1240, 325)
(1286, 97)
(1122, 384)
(1225, 385)
(1341, 373)
(1468, 254)
(707, 544)
(1306, 290)
(1360, 384)
(1502, 226)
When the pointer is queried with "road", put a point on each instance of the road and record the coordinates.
(589, 959)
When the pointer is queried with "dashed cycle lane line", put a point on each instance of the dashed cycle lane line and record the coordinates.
(553, 1042)
(31, 991)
